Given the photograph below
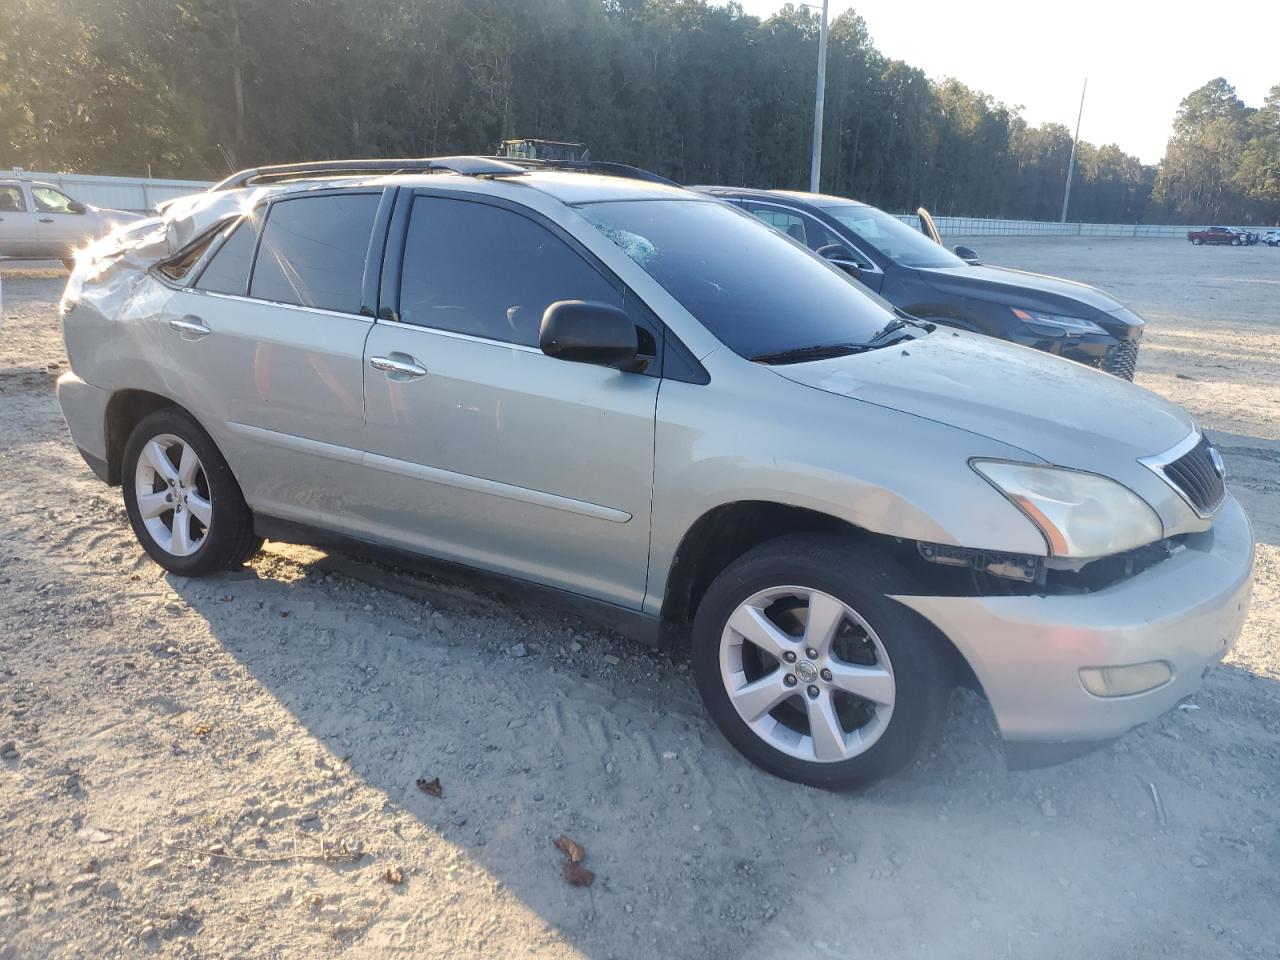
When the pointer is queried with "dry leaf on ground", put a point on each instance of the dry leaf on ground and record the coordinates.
(570, 848)
(576, 875)
(393, 876)
(431, 787)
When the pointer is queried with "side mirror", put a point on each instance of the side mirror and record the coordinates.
(839, 255)
(585, 332)
(967, 254)
(75, 206)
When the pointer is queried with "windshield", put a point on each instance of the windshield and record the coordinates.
(755, 290)
(892, 237)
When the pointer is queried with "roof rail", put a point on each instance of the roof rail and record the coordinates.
(467, 166)
(590, 166)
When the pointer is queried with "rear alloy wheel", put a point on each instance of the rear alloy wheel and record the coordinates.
(184, 505)
(808, 667)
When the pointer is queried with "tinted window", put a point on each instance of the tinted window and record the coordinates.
(228, 270)
(481, 270)
(751, 288)
(313, 251)
(893, 238)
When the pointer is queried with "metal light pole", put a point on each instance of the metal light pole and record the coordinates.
(815, 165)
(1071, 164)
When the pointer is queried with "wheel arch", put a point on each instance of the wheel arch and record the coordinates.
(726, 532)
(125, 410)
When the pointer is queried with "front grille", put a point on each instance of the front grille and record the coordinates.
(1198, 477)
(1121, 359)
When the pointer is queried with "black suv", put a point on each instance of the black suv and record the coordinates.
(925, 279)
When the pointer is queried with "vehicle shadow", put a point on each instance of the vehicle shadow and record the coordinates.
(696, 853)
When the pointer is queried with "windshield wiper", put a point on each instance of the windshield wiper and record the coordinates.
(816, 351)
(824, 351)
(901, 319)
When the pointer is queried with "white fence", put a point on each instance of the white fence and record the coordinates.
(142, 194)
(979, 227)
(120, 193)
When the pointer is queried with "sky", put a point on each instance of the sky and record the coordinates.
(1141, 57)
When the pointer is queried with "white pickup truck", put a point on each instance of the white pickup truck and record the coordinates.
(40, 222)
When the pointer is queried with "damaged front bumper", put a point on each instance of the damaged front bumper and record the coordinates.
(1027, 651)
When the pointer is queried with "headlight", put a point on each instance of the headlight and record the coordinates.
(1053, 325)
(1080, 514)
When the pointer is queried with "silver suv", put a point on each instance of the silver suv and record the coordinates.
(647, 398)
(40, 222)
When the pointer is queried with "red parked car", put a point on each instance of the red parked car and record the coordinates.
(1215, 235)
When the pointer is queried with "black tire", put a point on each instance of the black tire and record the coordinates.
(229, 539)
(863, 578)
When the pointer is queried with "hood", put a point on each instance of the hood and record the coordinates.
(1018, 288)
(1056, 410)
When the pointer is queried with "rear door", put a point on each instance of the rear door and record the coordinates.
(18, 233)
(483, 449)
(267, 344)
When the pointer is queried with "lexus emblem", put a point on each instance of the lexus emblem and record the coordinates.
(1219, 467)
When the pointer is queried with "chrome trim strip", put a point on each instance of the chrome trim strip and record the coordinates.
(1156, 463)
(288, 441)
(276, 303)
(1180, 449)
(453, 334)
(418, 471)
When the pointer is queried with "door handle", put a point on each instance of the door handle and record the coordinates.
(399, 366)
(191, 328)
(46, 219)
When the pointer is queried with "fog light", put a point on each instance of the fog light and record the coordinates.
(1126, 681)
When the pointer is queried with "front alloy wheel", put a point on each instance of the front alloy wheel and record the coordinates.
(807, 674)
(810, 668)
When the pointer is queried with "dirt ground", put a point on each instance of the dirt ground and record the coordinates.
(226, 767)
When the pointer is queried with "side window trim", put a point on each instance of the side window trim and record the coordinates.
(872, 265)
(373, 262)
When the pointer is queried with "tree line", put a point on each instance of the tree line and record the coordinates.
(698, 92)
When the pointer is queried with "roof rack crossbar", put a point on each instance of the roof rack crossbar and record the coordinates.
(591, 166)
(467, 166)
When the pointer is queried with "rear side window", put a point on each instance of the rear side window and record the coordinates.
(11, 200)
(177, 267)
(228, 270)
(482, 270)
(313, 251)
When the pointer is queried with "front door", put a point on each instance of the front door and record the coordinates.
(60, 228)
(483, 449)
